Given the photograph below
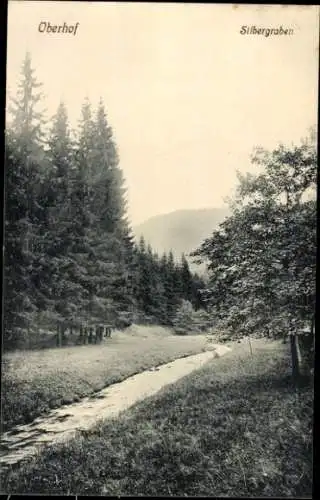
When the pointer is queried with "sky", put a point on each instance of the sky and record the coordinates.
(188, 97)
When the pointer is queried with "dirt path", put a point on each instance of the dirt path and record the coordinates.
(61, 424)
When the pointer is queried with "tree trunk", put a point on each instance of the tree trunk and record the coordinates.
(312, 325)
(63, 334)
(313, 345)
(81, 335)
(295, 358)
(250, 345)
(100, 333)
(85, 335)
(59, 335)
(308, 350)
(29, 338)
(90, 335)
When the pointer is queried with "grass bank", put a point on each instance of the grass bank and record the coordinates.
(35, 381)
(234, 428)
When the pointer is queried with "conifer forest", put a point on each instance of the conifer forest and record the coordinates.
(71, 262)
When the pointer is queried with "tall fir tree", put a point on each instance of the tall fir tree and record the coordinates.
(110, 207)
(24, 178)
(186, 279)
(158, 298)
(170, 285)
(107, 241)
(27, 123)
(84, 201)
(59, 265)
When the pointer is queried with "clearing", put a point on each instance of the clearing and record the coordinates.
(62, 424)
(33, 382)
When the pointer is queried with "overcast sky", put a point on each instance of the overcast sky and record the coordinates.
(187, 95)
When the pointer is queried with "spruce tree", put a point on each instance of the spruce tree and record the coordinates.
(27, 123)
(158, 299)
(85, 219)
(171, 286)
(59, 266)
(23, 213)
(108, 245)
(186, 280)
(143, 278)
(107, 177)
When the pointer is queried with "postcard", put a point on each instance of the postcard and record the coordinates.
(159, 249)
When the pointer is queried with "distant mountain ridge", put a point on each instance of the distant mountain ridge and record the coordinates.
(181, 231)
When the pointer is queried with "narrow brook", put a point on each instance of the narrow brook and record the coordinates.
(61, 424)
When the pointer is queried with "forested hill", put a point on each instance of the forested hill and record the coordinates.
(181, 231)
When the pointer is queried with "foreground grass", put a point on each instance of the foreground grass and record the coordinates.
(234, 428)
(35, 381)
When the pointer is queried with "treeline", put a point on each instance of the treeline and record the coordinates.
(163, 284)
(70, 256)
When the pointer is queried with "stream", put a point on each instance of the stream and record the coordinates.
(61, 424)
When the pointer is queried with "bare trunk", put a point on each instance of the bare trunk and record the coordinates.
(81, 335)
(63, 334)
(295, 358)
(90, 335)
(29, 338)
(99, 333)
(85, 335)
(59, 335)
(308, 350)
(313, 345)
(250, 345)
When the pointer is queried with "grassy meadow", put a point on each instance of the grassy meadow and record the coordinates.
(236, 427)
(35, 381)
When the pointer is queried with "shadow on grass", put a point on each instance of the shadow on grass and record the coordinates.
(276, 382)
